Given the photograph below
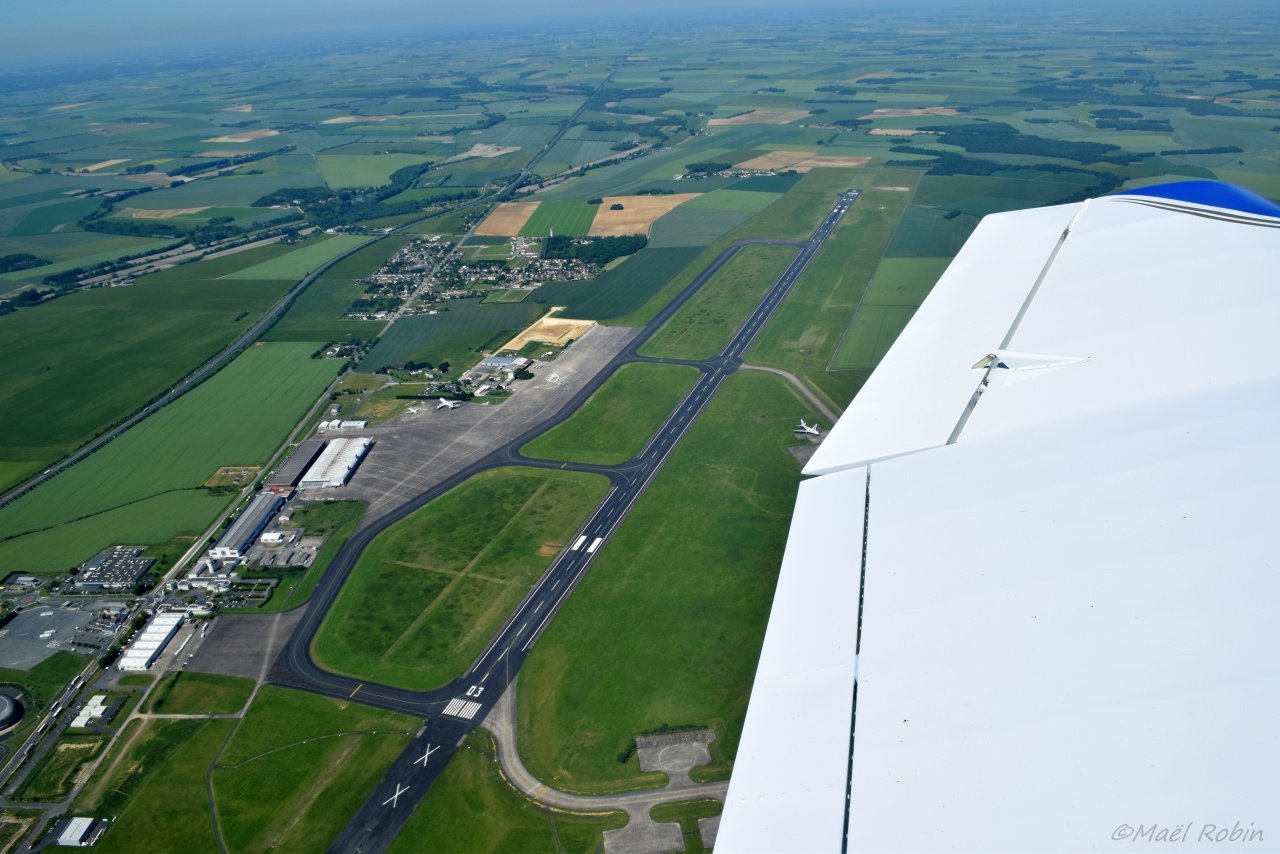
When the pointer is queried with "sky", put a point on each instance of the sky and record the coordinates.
(100, 26)
(53, 30)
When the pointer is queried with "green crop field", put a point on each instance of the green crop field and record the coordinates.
(144, 486)
(619, 419)
(704, 325)
(319, 313)
(895, 292)
(452, 335)
(621, 290)
(344, 170)
(678, 592)
(191, 693)
(317, 757)
(141, 748)
(733, 200)
(802, 337)
(473, 807)
(85, 361)
(927, 233)
(568, 219)
(303, 260)
(429, 592)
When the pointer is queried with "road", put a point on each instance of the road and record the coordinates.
(453, 710)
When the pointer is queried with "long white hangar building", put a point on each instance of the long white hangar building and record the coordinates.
(1031, 598)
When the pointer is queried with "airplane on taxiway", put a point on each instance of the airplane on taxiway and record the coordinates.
(811, 429)
(447, 404)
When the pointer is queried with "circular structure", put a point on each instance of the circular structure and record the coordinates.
(10, 711)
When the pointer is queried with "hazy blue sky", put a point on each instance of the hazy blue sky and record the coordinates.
(38, 29)
(50, 29)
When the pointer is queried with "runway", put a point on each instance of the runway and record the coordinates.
(452, 711)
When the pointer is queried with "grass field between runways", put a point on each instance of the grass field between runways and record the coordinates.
(666, 626)
(704, 325)
(619, 419)
(428, 593)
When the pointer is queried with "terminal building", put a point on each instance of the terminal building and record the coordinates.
(147, 646)
(285, 479)
(235, 543)
(336, 463)
(1028, 601)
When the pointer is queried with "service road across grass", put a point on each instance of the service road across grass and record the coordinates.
(619, 419)
(429, 592)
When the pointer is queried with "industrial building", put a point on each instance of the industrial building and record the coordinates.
(147, 646)
(233, 544)
(118, 568)
(338, 424)
(286, 477)
(1028, 597)
(336, 464)
(81, 832)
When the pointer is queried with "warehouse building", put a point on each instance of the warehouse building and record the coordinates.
(286, 477)
(81, 832)
(114, 569)
(336, 464)
(151, 641)
(1028, 601)
(248, 525)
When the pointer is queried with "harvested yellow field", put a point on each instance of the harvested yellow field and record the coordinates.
(760, 117)
(483, 149)
(106, 163)
(556, 331)
(240, 108)
(507, 219)
(348, 120)
(160, 213)
(221, 152)
(802, 161)
(637, 214)
(69, 106)
(900, 113)
(247, 136)
(776, 160)
(895, 131)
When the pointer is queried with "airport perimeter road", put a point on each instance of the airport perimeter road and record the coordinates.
(193, 379)
(452, 711)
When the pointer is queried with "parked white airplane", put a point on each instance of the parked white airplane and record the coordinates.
(811, 429)
(447, 404)
(412, 410)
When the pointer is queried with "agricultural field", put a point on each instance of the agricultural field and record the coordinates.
(455, 336)
(67, 361)
(319, 313)
(343, 171)
(621, 290)
(302, 261)
(144, 486)
(616, 423)
(426, 596)
(677, 592)
(54, 777)
(568, 219)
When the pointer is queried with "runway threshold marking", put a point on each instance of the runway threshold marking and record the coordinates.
(578, 544)
(591, 549)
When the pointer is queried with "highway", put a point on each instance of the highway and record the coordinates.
(453, 710)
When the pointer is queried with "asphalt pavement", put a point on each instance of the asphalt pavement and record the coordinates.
(452, 711)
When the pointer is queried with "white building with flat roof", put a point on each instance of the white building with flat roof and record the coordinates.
(1029, 597)
(336, 463)
(148, 645)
